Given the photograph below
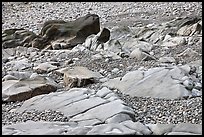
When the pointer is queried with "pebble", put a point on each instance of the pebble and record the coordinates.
(188, 84)
(115, 70)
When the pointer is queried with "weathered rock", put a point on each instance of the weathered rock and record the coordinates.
(44, 67)
(72, 32)
(160, 129)
(9, 52)
(188, 127)
(69, 128)
(95, 42)
(20, 64)
(152, 83)
(20, 75)
(9, 77)
(190, 29)
(139, 55)
(188, 53)
(135, 43)
(113, 45)
(17, 37)
(19, 90)
(79, 76)
(81, 105)
(38, 128)
(95, 112)
(167, 60)
(120, 32)
(123, 128)
(174, 41)
(181, 133)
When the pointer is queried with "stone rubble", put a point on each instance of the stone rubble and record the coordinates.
(140, 75)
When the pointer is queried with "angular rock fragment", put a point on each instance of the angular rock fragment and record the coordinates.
(93, 42)
(79, 76)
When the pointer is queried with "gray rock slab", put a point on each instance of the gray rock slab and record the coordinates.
(20, 64)
(119, 118)
(124, 128)
(35, 128)
(181, 133)
(82, 105)
(103, 92)
(19, 90)
(111, 129)
(44, 67)
(167, 60)
(159, 82)
(55, 100)
(9, 77)
(6, 53)
(89, 122)
(160, 129)
(79, 130)
(174, 41)
(137, 126)
(188, 127)
(104, 111)
(21, 74)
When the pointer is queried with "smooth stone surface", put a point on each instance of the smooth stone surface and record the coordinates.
(188, 127)
(38, 128)
(19, 90)
(124, 128)
(160, 129)
(167, 60)
(181, 133)
(81, 104)
(44, 67)
(152, 83)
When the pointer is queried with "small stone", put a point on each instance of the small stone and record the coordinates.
(115, 70)
(188, 84)
(196, 92)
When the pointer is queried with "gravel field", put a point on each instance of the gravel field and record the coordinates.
(32, 15)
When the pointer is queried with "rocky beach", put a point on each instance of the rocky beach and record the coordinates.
(102, 68)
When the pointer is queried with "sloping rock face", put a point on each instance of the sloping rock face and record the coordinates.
(158, 82)
(53, 32)
(20, 90)
(84, 107)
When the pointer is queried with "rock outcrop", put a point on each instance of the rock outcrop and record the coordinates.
(53, 32)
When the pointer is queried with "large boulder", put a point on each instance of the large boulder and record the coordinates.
(159, 82)
(20, 90)
(72, 32)
(79, 76)
(83, 106)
